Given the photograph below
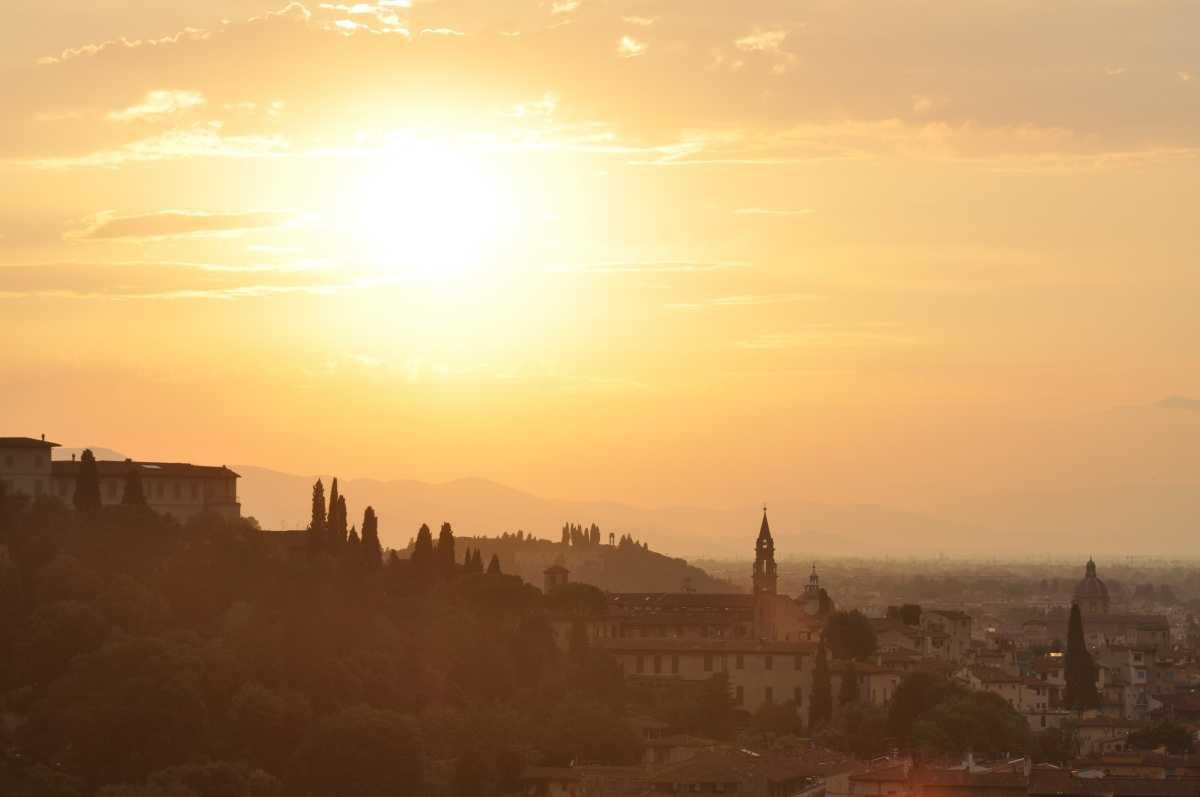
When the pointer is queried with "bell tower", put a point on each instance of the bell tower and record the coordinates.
(765, 577)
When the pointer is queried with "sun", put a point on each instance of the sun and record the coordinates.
(430, 211)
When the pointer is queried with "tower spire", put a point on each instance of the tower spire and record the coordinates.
(765, 575)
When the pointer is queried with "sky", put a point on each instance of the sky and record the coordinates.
(656, 252)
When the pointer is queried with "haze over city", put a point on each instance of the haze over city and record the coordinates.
(921, 256)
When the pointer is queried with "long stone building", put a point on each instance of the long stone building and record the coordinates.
(766, 642)
(178, 489)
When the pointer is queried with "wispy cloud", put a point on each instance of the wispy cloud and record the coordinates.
(630, 47)
(159, 104)
(199, 142)
(768, 43)
(174, 223)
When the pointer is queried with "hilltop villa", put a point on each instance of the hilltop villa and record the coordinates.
(177, 489)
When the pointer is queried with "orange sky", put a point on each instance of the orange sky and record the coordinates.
(659, 252)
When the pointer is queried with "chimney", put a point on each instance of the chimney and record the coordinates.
(43, 437)
(72, 457)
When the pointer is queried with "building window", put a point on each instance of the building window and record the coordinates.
(740, 695)
(768, 662)
(641, 665)
(658, 665)
(675, 665)
(740, 662)
(769, 695)
(707, 662)
(798, 697)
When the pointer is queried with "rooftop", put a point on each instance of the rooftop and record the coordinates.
(26, 442)
(172, 470)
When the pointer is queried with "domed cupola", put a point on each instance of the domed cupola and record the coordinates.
(1091, 594)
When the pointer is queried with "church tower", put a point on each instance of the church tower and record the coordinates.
(764, 559)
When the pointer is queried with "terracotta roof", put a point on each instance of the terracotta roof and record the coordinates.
(958, 778)
(25, 442)
(733, 766)
(889, 774)
(1064, 783)
(109, 469)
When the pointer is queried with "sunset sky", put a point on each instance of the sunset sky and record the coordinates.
(657, 252)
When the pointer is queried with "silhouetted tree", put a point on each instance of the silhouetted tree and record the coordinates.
(445, 551)
(849, 636)
(917, 692)
(848, 691)
(493, 568)
(422, 555)
(353, 543)
(133, 495)
(566, 534)
(820, 707)
(717, 716)
(336, 521)
(87, 484)
(1079, 670)
(908, 613)
(337, 528)
(316, 525)
(371, 549)
(1175, 738)
(477, 564)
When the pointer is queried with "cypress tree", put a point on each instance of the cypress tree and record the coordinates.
(332, 529)
(422, 555)
(316, 526)
(133, 496)
(820, 707)
(337, 519)
(445, 550)
(87, 484)
(494, 566)
(372, 550)
(1080, 692)
(848, 691)
(352, 541)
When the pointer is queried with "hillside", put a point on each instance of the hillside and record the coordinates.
(623, 568)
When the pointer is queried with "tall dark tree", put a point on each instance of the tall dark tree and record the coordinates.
(316, 525)
(422, 555)
(848, 690)
(849, 636)
(1080, 672)
(494, 566)
(133, 495)
(820, 707)
(477, 563)
(87, 483)
(371, 548)
(335, 523)
(337, 520)
(445, 550)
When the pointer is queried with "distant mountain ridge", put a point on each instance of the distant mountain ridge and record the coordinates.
(1103, 520)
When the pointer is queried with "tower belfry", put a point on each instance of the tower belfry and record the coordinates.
(765, 576)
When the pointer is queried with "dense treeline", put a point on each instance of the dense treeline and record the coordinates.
(141, 657)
